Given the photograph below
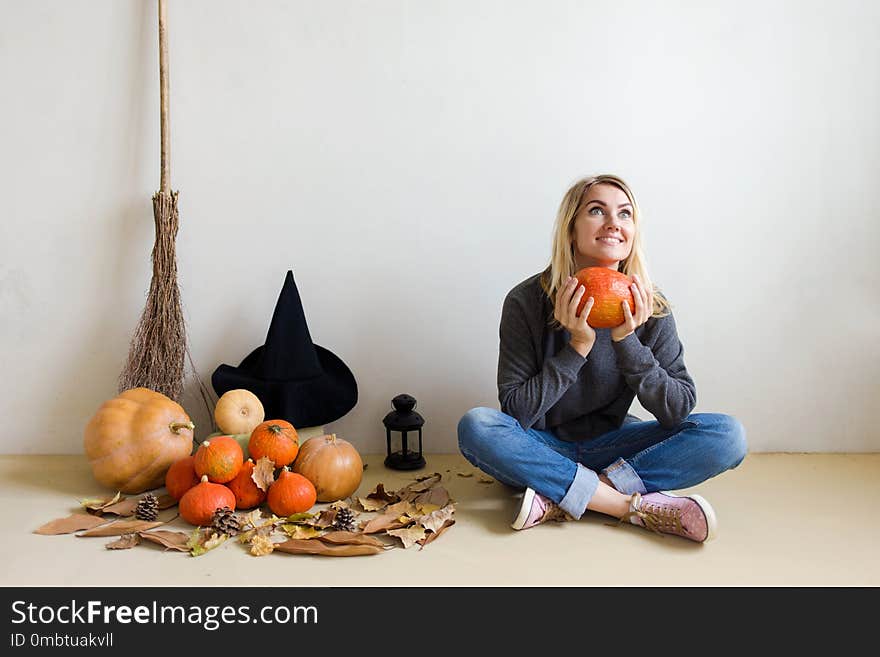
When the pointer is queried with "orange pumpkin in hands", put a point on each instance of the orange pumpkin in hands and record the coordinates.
(277, 440)
(219, 458)
(608, 288)
(291, 493)
(198, 504)
(247, 494)
(181, 476)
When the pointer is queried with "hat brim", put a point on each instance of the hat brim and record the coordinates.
(302, 402)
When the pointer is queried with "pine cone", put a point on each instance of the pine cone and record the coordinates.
(147, 508)
(344, 521)
(226, 521)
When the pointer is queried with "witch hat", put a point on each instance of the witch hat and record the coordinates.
(295, 379)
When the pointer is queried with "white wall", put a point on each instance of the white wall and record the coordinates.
(406, 159)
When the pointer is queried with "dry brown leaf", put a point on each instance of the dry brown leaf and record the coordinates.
(264, 473)
(325, 518)
(166, 502)
(97, 504)
(124, 508)
(461, 473)
(120, 527)
(72, 523)
(438, 496)
(486, 480)
(125, 542)
(295, 546)
(409, 536)
(436, 519)
(350, 538)
(430, 536)
(261, 546)
(383, 522)
(301, 531)
(170, 540)
(420, 485)
(404, 507)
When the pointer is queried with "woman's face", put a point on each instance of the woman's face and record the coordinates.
(603, 228)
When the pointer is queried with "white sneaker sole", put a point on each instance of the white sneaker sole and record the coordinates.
(524, 510)
(711, 520)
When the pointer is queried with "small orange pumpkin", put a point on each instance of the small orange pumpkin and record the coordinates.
(181, 476)
(220, 458)
(247, 493)
(291, 493)
(198, 504)
(277, 440)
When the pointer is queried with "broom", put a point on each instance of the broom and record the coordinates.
(158, 347)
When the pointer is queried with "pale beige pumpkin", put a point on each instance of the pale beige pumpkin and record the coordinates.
(134, 438)
(238, 411)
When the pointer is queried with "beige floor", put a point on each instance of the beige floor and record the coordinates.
(784, 519)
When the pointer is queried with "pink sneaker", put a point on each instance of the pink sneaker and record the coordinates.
(690, 517)
(535, 509)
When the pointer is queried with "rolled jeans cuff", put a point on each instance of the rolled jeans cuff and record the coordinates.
(580, 492)
(624, 478)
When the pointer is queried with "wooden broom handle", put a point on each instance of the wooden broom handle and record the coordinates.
(165, 185)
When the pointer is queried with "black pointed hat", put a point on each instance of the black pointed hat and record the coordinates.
(295, 379)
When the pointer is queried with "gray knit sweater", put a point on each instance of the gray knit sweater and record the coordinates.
(545, 384)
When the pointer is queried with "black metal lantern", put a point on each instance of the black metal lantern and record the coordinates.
(404, 419)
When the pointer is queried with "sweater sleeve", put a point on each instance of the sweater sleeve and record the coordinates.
(527, 388)
(658, 374)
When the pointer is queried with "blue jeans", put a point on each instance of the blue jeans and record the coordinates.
(639, 457)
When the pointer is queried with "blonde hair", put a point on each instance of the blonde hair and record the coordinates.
(562, 260)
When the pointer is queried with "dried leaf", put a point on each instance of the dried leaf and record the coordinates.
(420, 485)
(97, 504)
(383, 522)
(409, 536)
(301, 517)
(124, 508)
(261, 546)
(261, 527)
(72, 523)
(254, 518)
(301, 531)
(437, 496)
(464, 474)
(486, 480)
(430, 536)
(350, 538)
(325, 518)
(166, 502)
(436, 519)
(120, 527)
(125, 542)
(170, 540)
(378, 499)
(204, 540)
(372, 504)
(264, 473)
(296, 546)
(402, 508)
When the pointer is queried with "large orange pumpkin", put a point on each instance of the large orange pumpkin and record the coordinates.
(133, 439)
(291, 493)
(277, 440)
(609, 288)
(198, 504)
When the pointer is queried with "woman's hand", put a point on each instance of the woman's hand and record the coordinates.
(644, 301)
(567, 299)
